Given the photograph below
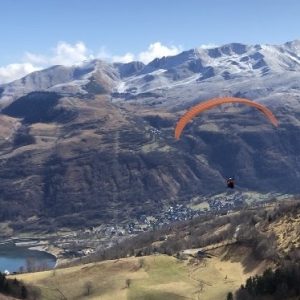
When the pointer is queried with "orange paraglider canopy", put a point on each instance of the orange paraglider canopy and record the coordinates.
(197, 109)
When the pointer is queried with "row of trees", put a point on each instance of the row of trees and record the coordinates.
(13, 287)
(283, 283)
(17, 289)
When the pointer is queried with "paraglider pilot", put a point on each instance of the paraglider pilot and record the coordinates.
(230, 183)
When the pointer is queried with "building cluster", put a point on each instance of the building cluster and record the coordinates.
(86, 241)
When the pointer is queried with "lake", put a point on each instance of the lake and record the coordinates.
(13, 259)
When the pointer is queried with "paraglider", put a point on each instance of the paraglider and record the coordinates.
(203, 106)
(199, 108)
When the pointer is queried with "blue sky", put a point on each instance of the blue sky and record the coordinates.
(38, 33)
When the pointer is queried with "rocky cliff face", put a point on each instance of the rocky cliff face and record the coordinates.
(95, 143)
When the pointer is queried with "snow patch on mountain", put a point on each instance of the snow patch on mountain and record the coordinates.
(253, 71)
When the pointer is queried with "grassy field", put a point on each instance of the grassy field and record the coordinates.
(152, 277)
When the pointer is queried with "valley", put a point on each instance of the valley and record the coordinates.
(174, 267)
(91, 172)
(67, 244)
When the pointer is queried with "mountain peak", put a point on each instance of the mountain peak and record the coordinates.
(293, 46)
(233, 61)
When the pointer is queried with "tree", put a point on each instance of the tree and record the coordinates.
(24, 292)
(35, 293)
(128, 282)
(88, 288)
(2, 281)
(30, 264)
(6, 287)
(282, 291)
(141, 263)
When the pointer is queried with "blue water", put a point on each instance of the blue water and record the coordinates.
(14, 259)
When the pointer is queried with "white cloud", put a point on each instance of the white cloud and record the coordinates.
(126, 58)
(103, 54)
(157, 50)
(14, 71)
(208, 46)
(63, 54)
(66, 54)
(35, 59)
(74, 54)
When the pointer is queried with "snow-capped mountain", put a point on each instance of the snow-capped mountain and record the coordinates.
(258, 72)
(253, 71)
(64, 80)
(89, 140)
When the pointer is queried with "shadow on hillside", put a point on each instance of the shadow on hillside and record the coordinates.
(241, 254)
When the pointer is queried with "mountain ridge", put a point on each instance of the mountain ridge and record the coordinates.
(105, 139)
(226, 62)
